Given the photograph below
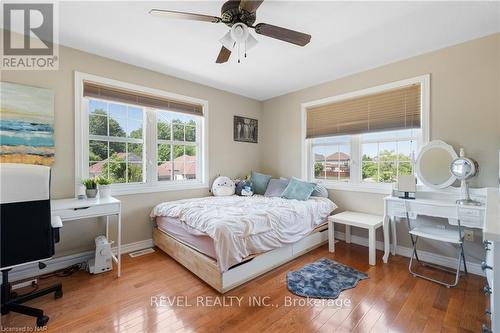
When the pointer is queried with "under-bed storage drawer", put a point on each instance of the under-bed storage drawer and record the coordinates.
(310, 242)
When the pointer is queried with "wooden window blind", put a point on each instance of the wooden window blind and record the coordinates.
(389, 110)
(138, 98)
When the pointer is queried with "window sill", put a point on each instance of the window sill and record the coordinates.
(365, 188)
(149, 188)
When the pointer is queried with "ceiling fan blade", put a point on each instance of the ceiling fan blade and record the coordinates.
(250, 5)
(184, 16)
(223, 55)
(287, 35)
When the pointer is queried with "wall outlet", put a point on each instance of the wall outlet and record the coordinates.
(469, 235)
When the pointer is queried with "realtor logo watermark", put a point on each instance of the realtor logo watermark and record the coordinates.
(30, 36)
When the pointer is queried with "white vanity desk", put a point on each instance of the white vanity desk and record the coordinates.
(441, 204)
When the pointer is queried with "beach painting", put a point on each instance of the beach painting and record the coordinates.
(26, 124)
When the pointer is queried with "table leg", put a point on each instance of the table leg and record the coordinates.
(386, 238)
(331, 237)
(107, 227)
(394, 236)
(347, 234)
(119, 247)
(371, 246)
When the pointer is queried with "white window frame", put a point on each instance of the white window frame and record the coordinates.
(151, 183)
(356, 183)
(107, 138)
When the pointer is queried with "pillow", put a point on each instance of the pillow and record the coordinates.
(276, 187)
(298, 189)
(223, 186)
(320, 191)
(259, 182)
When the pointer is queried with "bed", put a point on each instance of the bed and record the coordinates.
(227, 241)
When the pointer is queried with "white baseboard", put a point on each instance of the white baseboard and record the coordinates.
(28, 271)
(31, 270)
(135, 246)
(425, 256)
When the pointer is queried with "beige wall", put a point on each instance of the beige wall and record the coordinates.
(465, 108)
(226, 156)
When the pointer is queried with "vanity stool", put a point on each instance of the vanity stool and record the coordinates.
(361, 220)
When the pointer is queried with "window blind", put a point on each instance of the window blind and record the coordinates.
(94, 90)
(389, 110)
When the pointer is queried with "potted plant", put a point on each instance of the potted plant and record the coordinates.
(90, 187)
(104, 187)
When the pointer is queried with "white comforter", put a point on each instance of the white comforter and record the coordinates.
(241, 226)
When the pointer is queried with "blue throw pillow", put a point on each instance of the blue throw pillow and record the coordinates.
(259, 182)
(276, 187)
(320, 191)
(298, 189)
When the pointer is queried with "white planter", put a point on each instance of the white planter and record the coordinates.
(104, 191)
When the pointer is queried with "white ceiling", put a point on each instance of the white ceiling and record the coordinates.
(347, 37)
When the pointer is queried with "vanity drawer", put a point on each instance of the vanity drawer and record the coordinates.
(90, 211)
(473, 218)
(397, 209)
(472, 222)
(468, 212)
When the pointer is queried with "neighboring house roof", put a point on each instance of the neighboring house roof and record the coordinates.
(339, 156)
(319, 157)
(183, 164)
(333, 157)
(96, 169)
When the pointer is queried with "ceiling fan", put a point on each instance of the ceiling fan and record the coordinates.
(240, 15)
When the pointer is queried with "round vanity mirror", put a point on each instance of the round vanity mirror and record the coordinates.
(433, 164)
(464, 168)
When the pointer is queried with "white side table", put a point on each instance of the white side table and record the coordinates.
(361, 220)
(74, 209)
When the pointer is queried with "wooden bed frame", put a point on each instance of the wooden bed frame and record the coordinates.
(253, 266)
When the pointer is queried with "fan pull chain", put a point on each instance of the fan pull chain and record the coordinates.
(239, 44)
(245, 48)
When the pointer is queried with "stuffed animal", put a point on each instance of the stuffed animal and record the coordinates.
(223, 186)
(244, 188)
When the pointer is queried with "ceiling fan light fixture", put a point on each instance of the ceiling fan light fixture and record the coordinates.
(239, 32)
(251, 42)
(238, 39)
(227, 41)
(239, 16)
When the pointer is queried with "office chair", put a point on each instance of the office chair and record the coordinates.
(27, 232)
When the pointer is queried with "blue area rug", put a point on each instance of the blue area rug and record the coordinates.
(324, 278)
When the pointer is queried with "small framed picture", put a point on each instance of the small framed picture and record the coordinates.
(245, 129)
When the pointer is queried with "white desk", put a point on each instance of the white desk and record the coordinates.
(434, 204)
(486, 217)
(74, 209)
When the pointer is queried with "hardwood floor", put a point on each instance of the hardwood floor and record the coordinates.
(389, 301)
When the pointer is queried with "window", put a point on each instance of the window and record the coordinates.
(386, 155)
(116, 141)
(143, 140)
(366, 139)
(177, 146)
(332, 158)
